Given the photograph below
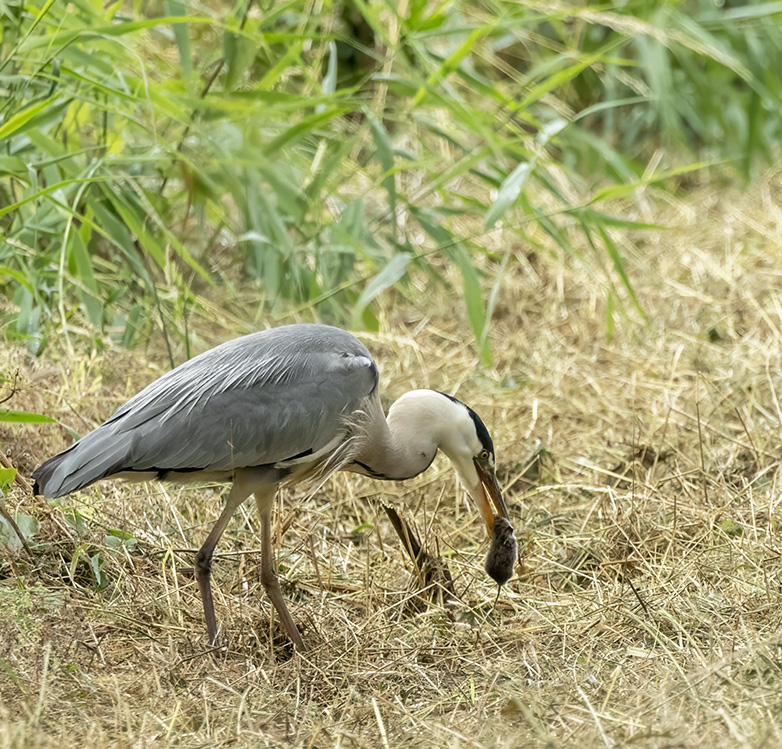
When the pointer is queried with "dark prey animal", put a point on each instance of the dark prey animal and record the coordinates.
(501, 558)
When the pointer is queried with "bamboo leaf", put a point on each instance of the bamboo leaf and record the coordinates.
(391, 273)
(619, 266)
(23, 417)
(18, 120)
(173, 8)
(621, 190)
(48, 191)
(138, 227)
(329, 85)
(471, 286)
(453, 61)
(7, 476)
(238, 52)
(304, 127)
(510, 189)
(90, 293)
(474, 300)
(385, 155)
(20, 278)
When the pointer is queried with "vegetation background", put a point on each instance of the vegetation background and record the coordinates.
(565, 213)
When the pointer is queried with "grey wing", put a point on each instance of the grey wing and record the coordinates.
(267, 422)
(257, 400)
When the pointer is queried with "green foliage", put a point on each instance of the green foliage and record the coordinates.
(151, 150)
(7, 476)
(23, 417)
(16, 528)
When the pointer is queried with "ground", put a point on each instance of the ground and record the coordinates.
(639, 453)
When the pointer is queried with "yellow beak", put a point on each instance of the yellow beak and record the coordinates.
(486, 490)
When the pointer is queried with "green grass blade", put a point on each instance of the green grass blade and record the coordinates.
(174, 8)
(391, 273)
(23, 417)
(90, 294)
(15, 122)
(619, 266)
(385, 155)
(510, 189)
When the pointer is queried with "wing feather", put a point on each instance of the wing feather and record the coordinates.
(256, 400)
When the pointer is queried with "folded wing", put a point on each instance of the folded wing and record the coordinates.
(257, 400)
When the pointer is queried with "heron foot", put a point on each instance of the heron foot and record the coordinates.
(434, 577)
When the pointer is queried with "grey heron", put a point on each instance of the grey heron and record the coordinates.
(279, 406)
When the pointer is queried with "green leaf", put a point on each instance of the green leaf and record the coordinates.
(43, 11)
(396, 268)
(474, 301)
(307, 125)
(89, 34)
(137, 225)
(329, 84)
(385, 155)
(473, 297)
(619, 265)
(47, 191)
(7, 476)
(453, 61)
(273, 75)
(96, 565)
(90, 293)
(510, 189)
(28, 527)
(117, 539)
(15, 122)
(730, 527)
(613, 192)
(75, 519)
(28, 524)
(13, 165)
(559, 79)
(23, 417)
(20, 278)
(174, 7)
(238, 51)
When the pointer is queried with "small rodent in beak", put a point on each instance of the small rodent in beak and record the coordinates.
(503, 552)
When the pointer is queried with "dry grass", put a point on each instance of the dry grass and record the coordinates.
(643, 475)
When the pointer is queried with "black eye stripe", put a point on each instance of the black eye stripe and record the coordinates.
(480, 428)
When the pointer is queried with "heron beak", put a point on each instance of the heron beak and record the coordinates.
(487, 493)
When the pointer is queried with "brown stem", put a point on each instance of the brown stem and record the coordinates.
(7, 516)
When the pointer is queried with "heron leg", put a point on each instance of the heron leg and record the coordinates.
(431, 569)
(203, 563)
(409, 539)
(268, 576)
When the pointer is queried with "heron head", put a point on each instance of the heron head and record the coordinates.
(469, 446)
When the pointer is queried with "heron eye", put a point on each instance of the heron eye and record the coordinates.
(484, 455)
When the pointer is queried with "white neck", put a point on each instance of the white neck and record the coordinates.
(404, 444)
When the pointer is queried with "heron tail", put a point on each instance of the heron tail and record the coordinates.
(97, 455)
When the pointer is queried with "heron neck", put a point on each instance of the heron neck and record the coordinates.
(404, 443)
